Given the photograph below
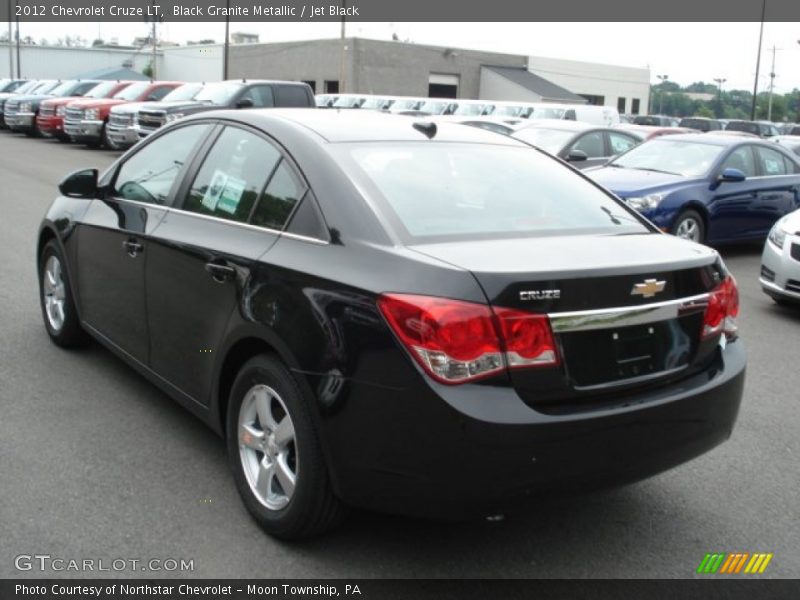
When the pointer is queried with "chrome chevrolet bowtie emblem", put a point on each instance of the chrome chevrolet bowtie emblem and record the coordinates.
(648, 289)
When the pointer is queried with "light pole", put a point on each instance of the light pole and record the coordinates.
(758, 61)
(720, 81)
(663, 79)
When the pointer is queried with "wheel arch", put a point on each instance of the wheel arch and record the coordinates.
(696, 206)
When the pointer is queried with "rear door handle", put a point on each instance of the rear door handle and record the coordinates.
(220, 272)
(132, 247)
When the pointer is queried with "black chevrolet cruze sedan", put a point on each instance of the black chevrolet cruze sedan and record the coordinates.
(379, 312)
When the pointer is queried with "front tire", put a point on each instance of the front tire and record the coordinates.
(55, 296)
(690, 226)
(275, 453)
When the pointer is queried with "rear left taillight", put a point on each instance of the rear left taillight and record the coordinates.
(722, 311)
(457, 341)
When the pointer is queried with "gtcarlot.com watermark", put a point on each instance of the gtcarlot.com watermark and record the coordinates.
(49, 563)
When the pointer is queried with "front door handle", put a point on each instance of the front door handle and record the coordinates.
(132, 247)
(220, 272)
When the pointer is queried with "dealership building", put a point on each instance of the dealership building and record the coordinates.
(359, 65)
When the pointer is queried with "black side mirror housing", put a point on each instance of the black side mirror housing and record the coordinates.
(577, 156)
(80, 184)
(244, 103)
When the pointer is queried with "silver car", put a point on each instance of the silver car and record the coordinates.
(780, 261)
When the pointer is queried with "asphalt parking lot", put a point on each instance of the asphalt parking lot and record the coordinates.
(97, 463)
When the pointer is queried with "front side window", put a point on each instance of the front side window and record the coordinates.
(741, 159)
(260, 96)
(148, 175)
(591, 144)
(232, 176)
(442, 191)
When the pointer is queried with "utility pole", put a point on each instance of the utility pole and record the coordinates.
(226, 46)
(19, 65)
(758, 60)
(663, 79)
(344, 50)
(153, 74)
(771, 83)
(10, 52)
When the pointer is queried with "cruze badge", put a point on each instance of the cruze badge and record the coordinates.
(540, 295)
(648, 289)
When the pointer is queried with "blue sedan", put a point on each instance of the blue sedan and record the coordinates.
(705, 187)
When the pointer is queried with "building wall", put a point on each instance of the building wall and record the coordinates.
(610, 81)
(55, 62)
(371, 66)
(191, 63)
(494, 86)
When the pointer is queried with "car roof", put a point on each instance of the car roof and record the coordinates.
(336, 125)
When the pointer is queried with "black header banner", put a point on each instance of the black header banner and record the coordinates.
(398, 10)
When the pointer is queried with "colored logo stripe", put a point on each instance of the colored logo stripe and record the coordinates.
(734, 563)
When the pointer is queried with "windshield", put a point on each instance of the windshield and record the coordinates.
(65, 87)
(374, 103)
(185, 92)
(471, 110)
(434, 108)
(133, 91)
(548, 113)
(26, 87)
(507, 111)
(688, 159)
(101, 90)
(45, 87)
(348, 102)
(549, 140)
(218, 93)
(447, 190)
(404, 105)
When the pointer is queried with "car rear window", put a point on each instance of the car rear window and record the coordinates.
(441, 191)
(743, 126)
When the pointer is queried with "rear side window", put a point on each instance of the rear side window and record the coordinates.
(441, 191)
(771, 161)
(284, 191)
(292, 96)
(232, 176)
(149, 174)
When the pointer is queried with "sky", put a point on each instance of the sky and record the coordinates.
(686, 52)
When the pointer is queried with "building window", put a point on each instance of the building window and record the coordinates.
(594, 100)
(621, 105)
(331, 86)
(635, 106)
(442, 85)
(312, 84)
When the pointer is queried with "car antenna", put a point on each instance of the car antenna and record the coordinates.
(426, 127)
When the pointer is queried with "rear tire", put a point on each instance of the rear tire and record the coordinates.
(275, 453)
(690, 226)
(55, 297)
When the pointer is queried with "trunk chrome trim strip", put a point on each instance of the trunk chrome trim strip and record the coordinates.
(607, 318)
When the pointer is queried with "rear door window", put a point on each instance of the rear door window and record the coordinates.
(232, 176)
(771, 162)
(285, 189)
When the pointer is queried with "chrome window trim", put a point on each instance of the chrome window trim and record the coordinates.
(607, 318)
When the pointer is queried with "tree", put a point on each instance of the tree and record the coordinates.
(148, 70)
(704, 111)
(97, 42)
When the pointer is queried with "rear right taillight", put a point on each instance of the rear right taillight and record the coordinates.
(722, 311)
(457, 341)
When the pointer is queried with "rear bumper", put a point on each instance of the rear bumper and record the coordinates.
(449, 452)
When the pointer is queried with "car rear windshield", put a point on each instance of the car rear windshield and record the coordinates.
(133, 91)
(743, 126)
(185, 92)
(677, 157)
(699, 124)
(440, 191)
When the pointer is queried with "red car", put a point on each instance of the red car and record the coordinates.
(50, 119)
(646, 132)
(85, 119)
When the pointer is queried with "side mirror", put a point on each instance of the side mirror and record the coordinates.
(244, 103)
(731, 175)
(80, 184)
(576, 155)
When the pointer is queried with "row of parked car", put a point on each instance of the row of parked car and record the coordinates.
(757, 128)
(117, 114)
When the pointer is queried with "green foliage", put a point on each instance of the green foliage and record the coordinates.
(148, 70)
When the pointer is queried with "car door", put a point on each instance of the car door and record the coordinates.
(731, 204)
(203, 252)
(113, 238)
(779, 186)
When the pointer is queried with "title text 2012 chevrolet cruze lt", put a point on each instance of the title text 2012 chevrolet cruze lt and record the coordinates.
(420, 318)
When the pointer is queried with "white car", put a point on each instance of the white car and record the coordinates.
(780, 261)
